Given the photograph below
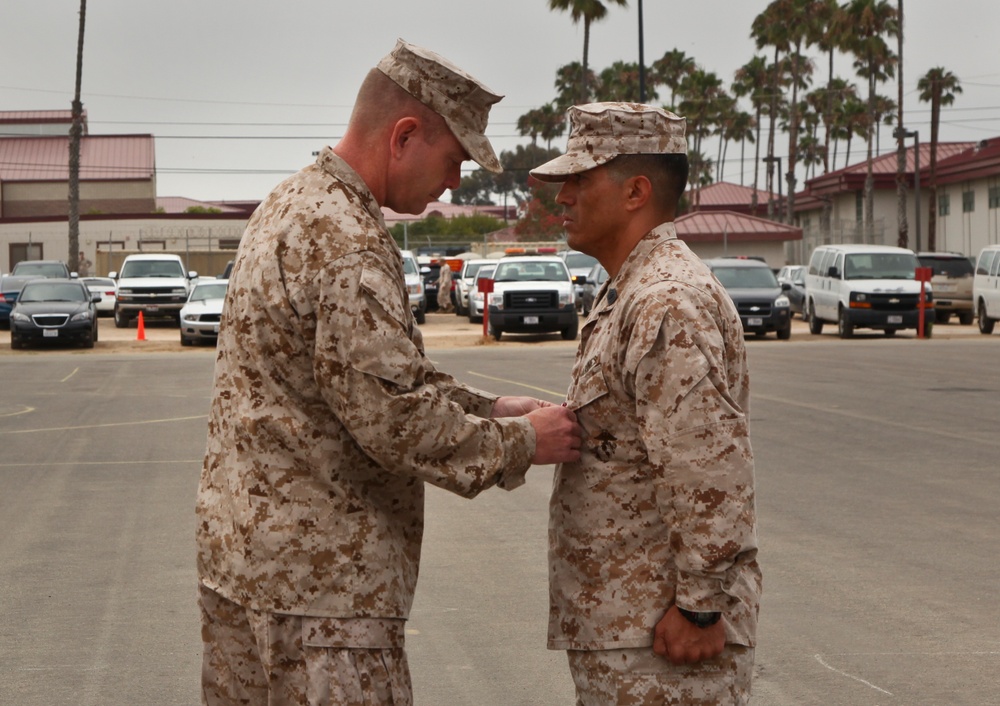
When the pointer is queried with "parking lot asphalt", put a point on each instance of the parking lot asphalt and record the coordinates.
(441, 331)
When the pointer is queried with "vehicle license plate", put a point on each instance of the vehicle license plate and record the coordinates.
(215, 328)
(152, 308)
(946, 287)
(895, 320)
(530, 319)
(50, 333)
(755, 321)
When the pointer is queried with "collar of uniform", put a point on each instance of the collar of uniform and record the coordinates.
(336, 167)
(641, 252)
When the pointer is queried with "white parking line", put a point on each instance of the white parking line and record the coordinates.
(105, 426)
(819, 658)
(559, 395)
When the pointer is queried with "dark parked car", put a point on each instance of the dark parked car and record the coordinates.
(761, 302)
(56, 310)
(595, 278)
(795, 276)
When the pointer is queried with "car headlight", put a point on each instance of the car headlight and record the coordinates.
(415, 288)
(23, 318)
(782, 302)
(566, 298)
(82, 316)
(860, 300)
(496, 299)
(179, 290)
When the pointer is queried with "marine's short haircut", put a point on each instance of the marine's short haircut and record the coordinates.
(381, 100)
(667, 173)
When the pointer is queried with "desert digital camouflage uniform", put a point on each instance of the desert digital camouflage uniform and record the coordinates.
(660, 508)
(327, 419)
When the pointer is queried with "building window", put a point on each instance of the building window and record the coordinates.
(152, 245)
(229, 243)
(944, 204)
(968, 201)
(24, 251)
(995, 197)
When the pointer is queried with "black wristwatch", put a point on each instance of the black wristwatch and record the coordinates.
(702, 620)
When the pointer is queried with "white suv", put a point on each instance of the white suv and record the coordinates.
(986, 288)
(154, 284)
(532, 294)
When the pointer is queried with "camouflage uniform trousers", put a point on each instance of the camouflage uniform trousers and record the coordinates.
(640, 677)
(270, 659)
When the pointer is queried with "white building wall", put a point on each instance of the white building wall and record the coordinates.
(968, 232)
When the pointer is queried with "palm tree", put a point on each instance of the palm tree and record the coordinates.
(752, 79)
(75, 134)
(770, 30)
(700, 96)
(938, 87)
(670, 70)
(589, 11)
(569, 78)
(830, 32)
(620, 82)
(870, 22)
(546, 122)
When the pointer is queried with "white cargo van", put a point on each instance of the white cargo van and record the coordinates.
(865, 286)
(986, 288)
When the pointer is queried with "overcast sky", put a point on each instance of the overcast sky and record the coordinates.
(211, 78)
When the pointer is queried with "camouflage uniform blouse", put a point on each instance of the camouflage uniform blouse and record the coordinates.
(660, 508)
(327, 418)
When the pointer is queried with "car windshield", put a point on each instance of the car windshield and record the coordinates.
(880, 266)
(409, 266)
(531, 272)
(38, 269)
(209, 291)
(949, 266)
(472, 269)
(53, 292)
(576, 260)
(152, 268)
(746, 277)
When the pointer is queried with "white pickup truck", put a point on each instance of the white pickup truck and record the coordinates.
(154, 284)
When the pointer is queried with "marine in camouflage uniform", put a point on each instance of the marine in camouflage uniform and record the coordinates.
(326, 421)
(659, 512)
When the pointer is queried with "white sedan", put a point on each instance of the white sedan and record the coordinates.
(202, 313)
(106, 287)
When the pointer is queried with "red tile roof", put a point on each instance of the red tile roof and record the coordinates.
(725, 194)
(980, 161)
(713, 226)
(102, 158)
(20, 117)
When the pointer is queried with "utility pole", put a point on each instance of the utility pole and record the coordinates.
(642, 61)
(904, 228)
(75, 132)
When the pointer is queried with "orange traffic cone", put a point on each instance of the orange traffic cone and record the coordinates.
(141, 335)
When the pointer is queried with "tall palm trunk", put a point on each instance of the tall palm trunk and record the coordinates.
(756, 167)
(75, 133)
(904, 229)
(869, 176)
(932, 206)
(770, 136)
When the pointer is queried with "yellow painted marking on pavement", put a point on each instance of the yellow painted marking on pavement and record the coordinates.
(107, 426)
(26, 410)
(75, 371)
(558, 395)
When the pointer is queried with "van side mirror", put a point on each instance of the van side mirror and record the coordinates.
(113, 275)
(785, 286)
(833, 272)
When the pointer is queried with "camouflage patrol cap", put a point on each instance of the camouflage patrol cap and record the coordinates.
(456, 96)
(600, 132)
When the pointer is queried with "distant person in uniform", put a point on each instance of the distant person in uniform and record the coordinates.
(653, 574)
(444, 288)
(83, 265)
(327, 419)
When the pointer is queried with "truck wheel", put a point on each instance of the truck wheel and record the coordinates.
(928, 329)
(844, 327)
(121, 320)
(985, 322)
(569, 333)
(785, 333)
(966, 318)
(942, 317)
(495, 333)
(815, 323)
(421, 317)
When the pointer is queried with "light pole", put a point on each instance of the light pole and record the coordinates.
(769, 160)
(642, 61)
(915, 134)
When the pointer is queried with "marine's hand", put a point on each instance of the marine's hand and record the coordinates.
(557, 435)
(683, 642)
(517, 406)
